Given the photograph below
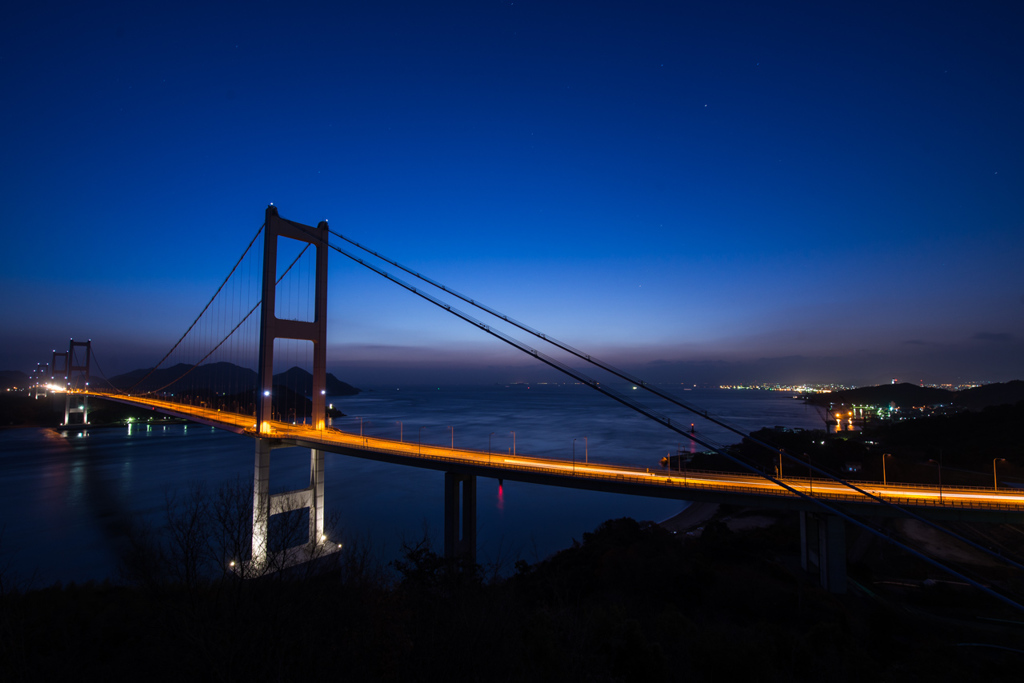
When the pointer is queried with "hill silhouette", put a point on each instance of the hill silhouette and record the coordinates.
(903, 395)
(13, 378)
(906, 395)
(998, 394)
(301, 382)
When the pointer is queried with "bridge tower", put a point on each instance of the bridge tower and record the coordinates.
(76, 376)
(40, 377)
(59, 375)
(266, 505)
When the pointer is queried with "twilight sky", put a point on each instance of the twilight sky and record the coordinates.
(698, 191)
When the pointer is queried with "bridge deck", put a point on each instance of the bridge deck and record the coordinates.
(748, 489)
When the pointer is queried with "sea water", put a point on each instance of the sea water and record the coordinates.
(69, 501)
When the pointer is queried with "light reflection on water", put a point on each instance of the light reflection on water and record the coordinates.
(68, 502)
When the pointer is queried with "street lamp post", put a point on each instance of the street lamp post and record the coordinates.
(810, 472)
(450, 427)
(995, 482)
(574, 457)
(884, 456)
(401, 429)
(513, 444)
(939, 465)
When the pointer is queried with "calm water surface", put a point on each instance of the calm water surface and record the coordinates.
(68, 502)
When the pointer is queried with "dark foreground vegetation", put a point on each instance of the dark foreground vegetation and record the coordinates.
(632, 602)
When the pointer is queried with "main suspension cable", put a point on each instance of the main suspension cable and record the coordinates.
(666, 396)
(207, 306)
(228, 335)
(96, 360)
(667, 422)
(562, 345)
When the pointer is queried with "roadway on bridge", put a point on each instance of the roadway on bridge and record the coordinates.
(614, 477)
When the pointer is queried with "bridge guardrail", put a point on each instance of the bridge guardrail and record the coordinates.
(636, 475)
(631, 474)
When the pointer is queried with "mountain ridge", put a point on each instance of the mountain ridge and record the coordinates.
(906, 395)
(219, 378)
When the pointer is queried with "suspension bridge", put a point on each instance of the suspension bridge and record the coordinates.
(292, 322)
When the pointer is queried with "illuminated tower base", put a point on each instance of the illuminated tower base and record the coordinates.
(264, 504)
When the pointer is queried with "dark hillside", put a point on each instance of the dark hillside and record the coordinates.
(632, 602)
(990, 395)
(970, 439)
(301, 382)
(219, 378)
(904, 395)
(10, 379)
(213, 377)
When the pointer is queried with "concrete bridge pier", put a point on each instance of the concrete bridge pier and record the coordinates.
(823, 544)
(265, 505)
(460, 515)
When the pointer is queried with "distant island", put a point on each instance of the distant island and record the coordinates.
(13, 380)
(220, 378)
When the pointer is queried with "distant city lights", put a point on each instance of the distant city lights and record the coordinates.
(791, 388)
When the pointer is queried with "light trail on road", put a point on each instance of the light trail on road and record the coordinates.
(499, 464)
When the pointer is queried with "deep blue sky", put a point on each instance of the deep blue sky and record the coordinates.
(701, 191)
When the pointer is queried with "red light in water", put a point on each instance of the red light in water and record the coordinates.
(501, 496)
